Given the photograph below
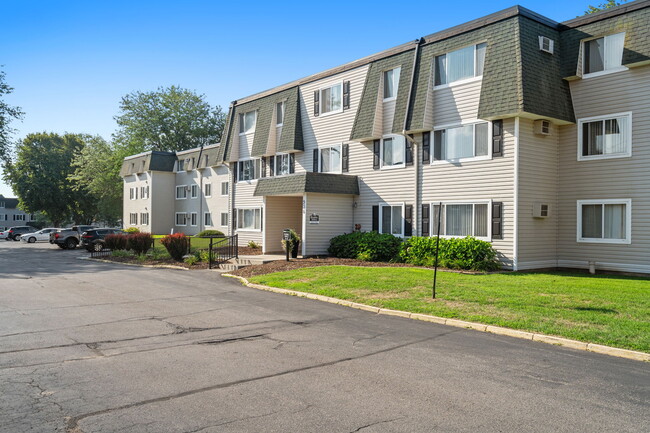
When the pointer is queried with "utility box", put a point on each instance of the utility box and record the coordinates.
(542, 127)
(540, 210)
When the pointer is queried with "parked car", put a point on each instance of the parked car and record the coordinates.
(4, 234)
(14, 233)
(93, 240)
(39, 236)
(69, 238)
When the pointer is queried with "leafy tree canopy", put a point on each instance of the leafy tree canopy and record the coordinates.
(167, 119)
(603, 6)
(7, 114)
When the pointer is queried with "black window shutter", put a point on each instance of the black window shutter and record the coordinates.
(497, 220)
(316, 102)
(408, 220)
(425, 219)
(375, 151)
(497, 138)
(315, 162)
(346, 95)
(345, 156)
(437, 145)
(272, 166)
(235, 172)
(375, 218)
(263, 167)
(409, 152)
(234, 219)
(262, 219)
(426, 147)
(292, 163)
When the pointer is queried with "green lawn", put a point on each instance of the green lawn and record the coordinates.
(603, 309)
(195, 243)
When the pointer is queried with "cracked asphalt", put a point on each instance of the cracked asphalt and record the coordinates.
(95, 347)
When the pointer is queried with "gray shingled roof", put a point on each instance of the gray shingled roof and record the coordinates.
(153, 161)
(327, 183)
(10, 203)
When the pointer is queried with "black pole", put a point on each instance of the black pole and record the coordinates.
(210, 255)
(435, 268)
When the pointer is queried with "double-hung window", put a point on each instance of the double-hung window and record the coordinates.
(144, 218)
(207, 189)
(247, 122)
(391, 83)
(133, 219)
(391, 219)
(463, 64)
(603, 54)
(224, 188)
(282, 164)
(180, 165)
(207, 219)
(604, 221)
(605, 137)
(330, 159)
(460, 142)
(461, 219)
(249, 219)
(331, 99)
(181, 192)
(181, 219)
(193, 219)
(279, 114)
(133, 193)
(224, 219)
(194, 191)
(393, 151)
(249, 169)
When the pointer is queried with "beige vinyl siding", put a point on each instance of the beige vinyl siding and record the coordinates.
(281, 213)
(456, 103)
(388, 114)
(538, 183)
(618, 178)
(329, 129)
(163, 192)
(336, 215)
(244, 198)
(246, 145)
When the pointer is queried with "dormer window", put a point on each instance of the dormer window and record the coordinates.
(279, 113)
(247, 122)
(391, 83)
(331, 99)
(460, 65)
(180, 165)
(603, 54)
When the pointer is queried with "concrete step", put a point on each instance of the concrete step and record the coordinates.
(229, 267)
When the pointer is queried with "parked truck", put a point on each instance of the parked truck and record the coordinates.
(69, 238)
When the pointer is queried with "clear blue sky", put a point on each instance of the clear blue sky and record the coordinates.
(71, 61)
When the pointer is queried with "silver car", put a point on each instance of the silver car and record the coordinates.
(39, 236)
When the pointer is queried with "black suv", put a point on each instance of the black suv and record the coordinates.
(13, 234)
(93, 240)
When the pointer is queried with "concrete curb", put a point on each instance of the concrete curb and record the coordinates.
(135, 264)
(498, 330)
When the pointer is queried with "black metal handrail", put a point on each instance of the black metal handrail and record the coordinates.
(222, 249)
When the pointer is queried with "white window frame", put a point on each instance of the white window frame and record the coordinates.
(194, 219)
(143, 219)
(239, 219)
(176, 219)
(194, 190)
(180, 165)
(132, 192)
(256, 175)
(458, 125)
(392, 205)
(184, 189)
(283, 104)
(221, 219)
(320, 158)
(321, 100)
(626, 154)
(433, 231)
(242, 123)
(207, 219)
(605, 70)
(396, 77)
(464, 80)
(131, 215)
(277, 158)
(207, 189)
(381, 153)
(628, 221)
(227, 185)
(551, 44)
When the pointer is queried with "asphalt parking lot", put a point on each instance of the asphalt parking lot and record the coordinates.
(96, 347)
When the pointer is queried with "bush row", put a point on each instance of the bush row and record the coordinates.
(455, 253)
(139, 243)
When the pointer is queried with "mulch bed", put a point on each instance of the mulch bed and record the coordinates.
(281, 265)
(167, 262)
(247, 251)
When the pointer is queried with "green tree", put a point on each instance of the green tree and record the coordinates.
(603, 6)
(167, 119)
(7, 114)
(40, 176)
(96, 170)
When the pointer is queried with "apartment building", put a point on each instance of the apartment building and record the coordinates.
(530, 134)
(11, 215)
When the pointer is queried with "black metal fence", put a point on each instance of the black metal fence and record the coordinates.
(101, 253)
(222, 249)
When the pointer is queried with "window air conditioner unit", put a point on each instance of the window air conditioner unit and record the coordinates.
(540, 210)
(543, 127)
(546, 44)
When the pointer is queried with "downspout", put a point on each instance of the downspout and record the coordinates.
(200, 173)
(409, 137)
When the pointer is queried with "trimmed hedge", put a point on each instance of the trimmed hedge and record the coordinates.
(116, 242)
(454, 253)
(139, 243)
(177, 245)
(367, 246)
(132, 230)
(210, 233)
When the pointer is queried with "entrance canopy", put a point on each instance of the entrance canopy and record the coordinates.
(300, 183)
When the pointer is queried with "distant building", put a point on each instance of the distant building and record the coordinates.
(11, 215)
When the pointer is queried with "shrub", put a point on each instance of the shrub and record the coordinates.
(367, 246)
(139, 243)
(293, 242)
(455, 253)
(120, 253)
(132, 230)
(116, 242)
(210, 233)
(204, 255)
(254, 245)
(191, 260)
(176, 245)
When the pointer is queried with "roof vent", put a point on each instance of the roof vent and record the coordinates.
(542, 127)
(546, 44)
